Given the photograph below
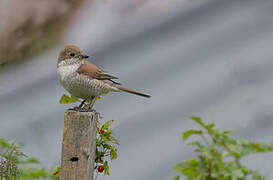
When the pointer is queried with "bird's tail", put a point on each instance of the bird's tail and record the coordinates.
(133, 92)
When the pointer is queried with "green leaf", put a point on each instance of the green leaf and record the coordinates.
(113, 140)
(57, 172)
(107, 146)
(65, 99)
(33, 173)
(197, 144)
(188, 133)
(97, 98)
(4, 143)
(74, 99)
(237, 173)
(30, 160)
(192, 164)
(175, 178)
(210, 126)
(107, 124)
(113, 153)
(188, 168)
(106, 168)
(199, 121)
(226, 132)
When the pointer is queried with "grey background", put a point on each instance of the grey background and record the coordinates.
(209, 58)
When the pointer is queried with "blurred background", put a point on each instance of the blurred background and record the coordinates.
(210, 58)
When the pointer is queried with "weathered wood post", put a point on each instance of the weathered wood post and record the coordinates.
(79, 145)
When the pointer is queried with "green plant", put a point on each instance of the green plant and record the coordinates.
(65, 99)
(9, 159)
(219, 155)
(14, 164)
(106, 147)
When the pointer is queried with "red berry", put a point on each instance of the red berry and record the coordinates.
(56, 173)
(102, 131)
(100, 169)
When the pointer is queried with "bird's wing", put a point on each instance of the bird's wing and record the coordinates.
(94, 72)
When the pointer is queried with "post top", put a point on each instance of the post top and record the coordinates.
(81, 112)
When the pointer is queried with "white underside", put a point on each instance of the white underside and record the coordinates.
(82, 86)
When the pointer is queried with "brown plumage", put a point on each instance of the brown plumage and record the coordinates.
(93, 71)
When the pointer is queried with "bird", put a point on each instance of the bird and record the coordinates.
(85, 80)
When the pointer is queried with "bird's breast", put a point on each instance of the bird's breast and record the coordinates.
(67, 72)
(80, 85)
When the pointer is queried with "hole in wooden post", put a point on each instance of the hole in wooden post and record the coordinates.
(73, 159)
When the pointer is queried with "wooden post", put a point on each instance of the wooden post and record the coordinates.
(79, 145)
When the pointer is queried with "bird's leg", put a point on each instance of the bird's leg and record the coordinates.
(81, 105)
(79, 108)
(90, 105)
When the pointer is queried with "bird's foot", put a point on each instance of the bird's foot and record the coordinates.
(79, 109)
(88, 110)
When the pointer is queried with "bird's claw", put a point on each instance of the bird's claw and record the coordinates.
(79, 109)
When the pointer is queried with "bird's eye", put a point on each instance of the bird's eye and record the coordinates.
(72, 54)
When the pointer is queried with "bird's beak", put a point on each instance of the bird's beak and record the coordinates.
(85, 56)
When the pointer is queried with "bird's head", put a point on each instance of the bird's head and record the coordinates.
(71, 54)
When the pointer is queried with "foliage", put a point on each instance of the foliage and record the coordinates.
(105, 146)
(219, 155)
(57, 172)
(10, 155)
(65, 99)
(14, 164)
